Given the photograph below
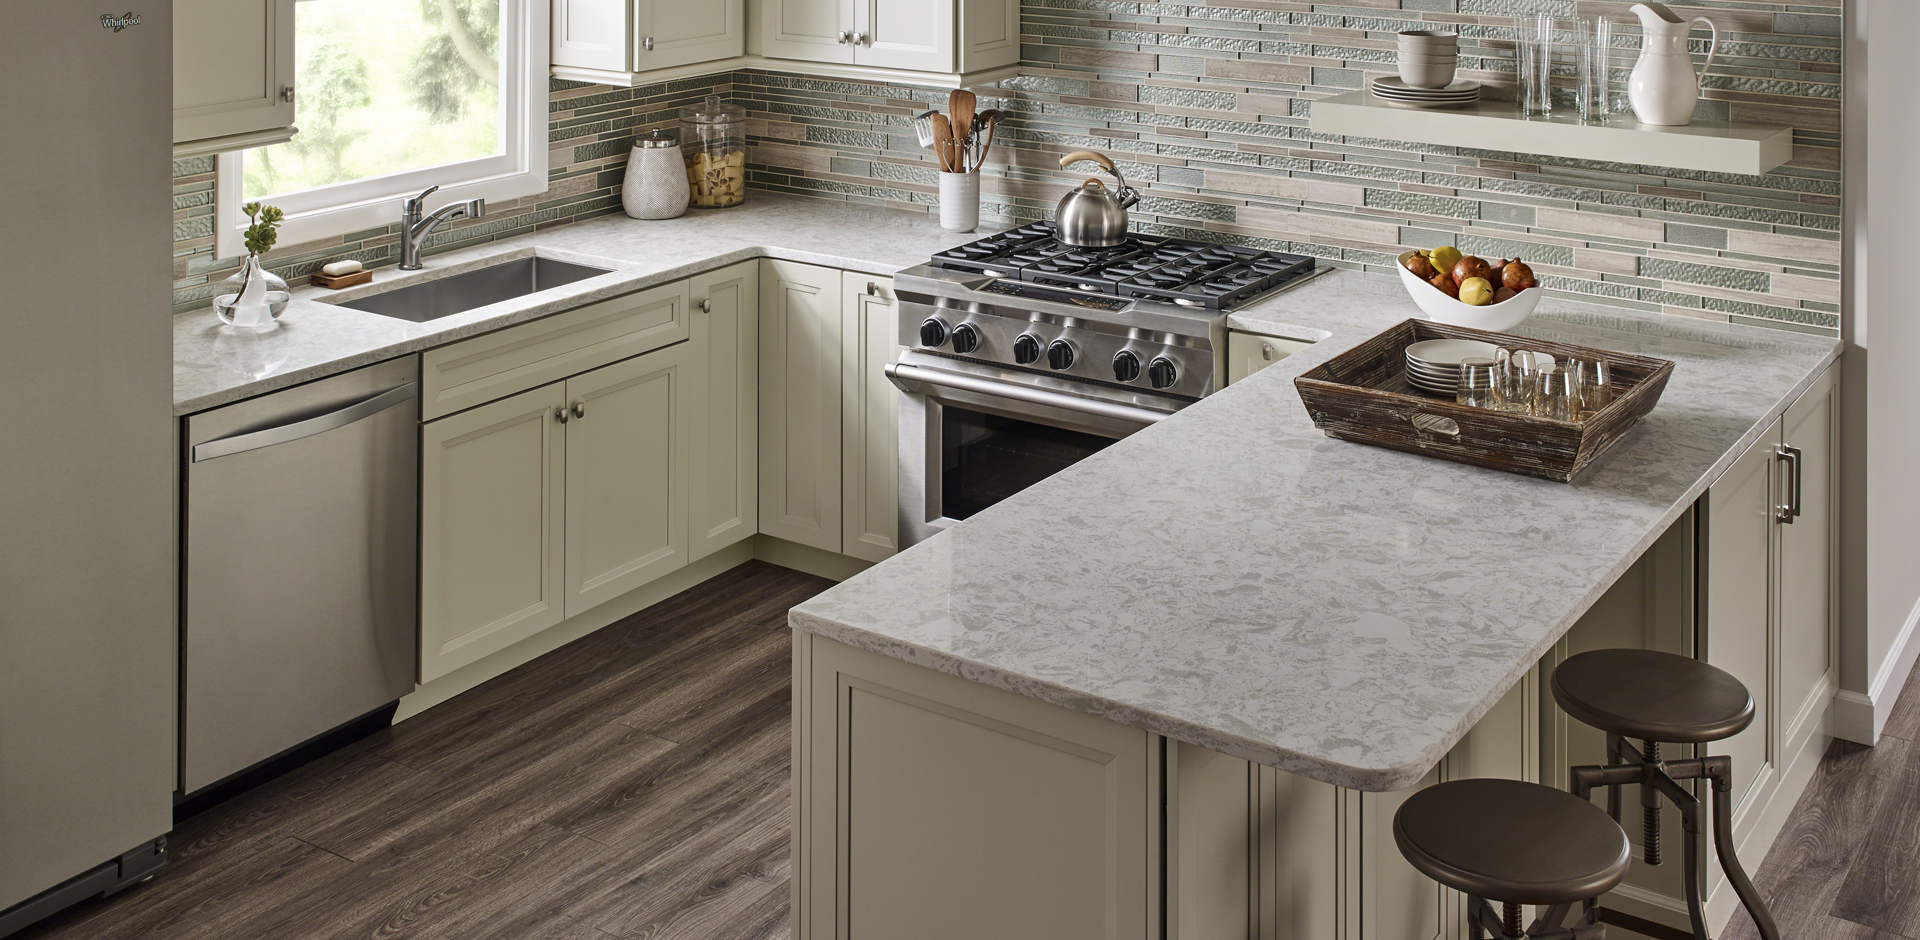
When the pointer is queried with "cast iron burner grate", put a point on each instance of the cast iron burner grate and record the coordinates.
(1146, 267)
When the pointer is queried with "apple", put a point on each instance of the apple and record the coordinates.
(1476, 291)
(1444, 283)
(1470, 267)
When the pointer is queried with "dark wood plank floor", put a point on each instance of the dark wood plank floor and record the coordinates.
(1847, 865)
(631, 784)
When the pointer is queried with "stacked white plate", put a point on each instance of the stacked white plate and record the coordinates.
(1391, 88)
(1434, 365)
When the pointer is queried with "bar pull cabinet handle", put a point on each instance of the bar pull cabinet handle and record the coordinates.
(580, 409)
(1790, 456)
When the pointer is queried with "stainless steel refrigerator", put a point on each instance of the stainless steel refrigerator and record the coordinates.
(87, 447)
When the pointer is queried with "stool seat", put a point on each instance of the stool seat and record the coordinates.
(1511, 841)
(1652, 696)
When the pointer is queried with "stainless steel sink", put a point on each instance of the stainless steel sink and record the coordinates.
(479, 287)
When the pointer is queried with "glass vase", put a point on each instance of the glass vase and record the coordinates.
(252, 298)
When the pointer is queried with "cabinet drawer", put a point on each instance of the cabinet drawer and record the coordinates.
(485, 368)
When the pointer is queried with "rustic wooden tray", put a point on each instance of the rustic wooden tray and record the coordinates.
(1363, 395)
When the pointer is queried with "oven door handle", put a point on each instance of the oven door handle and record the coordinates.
(908, 377)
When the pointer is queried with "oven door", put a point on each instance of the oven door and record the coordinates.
(971, 435)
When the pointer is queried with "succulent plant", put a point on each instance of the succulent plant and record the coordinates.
(265, 229)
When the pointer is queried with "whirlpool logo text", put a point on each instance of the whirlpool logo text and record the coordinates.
(118, 23)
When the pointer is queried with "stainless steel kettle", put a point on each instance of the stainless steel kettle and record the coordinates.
(1093, 216)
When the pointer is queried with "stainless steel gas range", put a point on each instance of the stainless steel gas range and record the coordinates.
(1024, 355)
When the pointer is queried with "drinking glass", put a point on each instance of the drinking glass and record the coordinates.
(1591, 36)
(1594, 381)
(1517, 380)
(1550, 394)
(1477, 384)
(1533, 55)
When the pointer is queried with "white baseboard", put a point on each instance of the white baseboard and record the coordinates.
(1859, 717)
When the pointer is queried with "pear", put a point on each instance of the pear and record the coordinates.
(1502, 294)
(1476, 291)
(1445, 257)
(1444, 283)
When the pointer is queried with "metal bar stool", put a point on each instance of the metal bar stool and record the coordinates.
(1661, 698)
(1515, 843)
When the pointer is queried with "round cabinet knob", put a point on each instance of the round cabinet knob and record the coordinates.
(1162, 372)
(1126, 366)
(1026, 349)
(1060, 355)
(966, 339)
(933, 332)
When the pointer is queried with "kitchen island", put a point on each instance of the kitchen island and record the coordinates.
(1200, 659)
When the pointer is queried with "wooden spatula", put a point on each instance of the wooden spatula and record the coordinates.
(960, 107)
(943, 142)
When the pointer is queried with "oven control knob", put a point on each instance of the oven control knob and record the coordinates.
(1126, 366)
(1162, 372)
(1026, 349)
(933, 332)
(1060, 355)
(966, 339)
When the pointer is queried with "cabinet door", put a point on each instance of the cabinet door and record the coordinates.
(490, 552)
(1804, 570)
(1300, 856)
(800, 381)
(683, 33)
(808, 30)
(593, 34)
(723, 445)
(1248, 353)
(1734, 633)
(989, 34)
(870, 417)
(626, 476)
(905, 34)
(232, 67)
(935, 807)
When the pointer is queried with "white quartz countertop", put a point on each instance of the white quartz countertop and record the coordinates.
(215, 364)
(1229, 577)
(1232, 578)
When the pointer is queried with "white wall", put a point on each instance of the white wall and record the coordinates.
(1880, 508)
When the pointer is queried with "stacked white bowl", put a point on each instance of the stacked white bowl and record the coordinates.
(1428, 58)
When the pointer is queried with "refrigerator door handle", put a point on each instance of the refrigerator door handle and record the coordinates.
(306, 427)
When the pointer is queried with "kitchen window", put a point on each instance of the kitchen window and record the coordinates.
(396, 96)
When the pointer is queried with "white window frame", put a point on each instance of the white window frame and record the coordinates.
(357, 205)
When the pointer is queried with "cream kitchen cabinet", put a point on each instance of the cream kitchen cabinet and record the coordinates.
(628, 42)
(555, 466)
(828, 441)
(233, 75)
(723, 447)
(1248, 353)
(969, 41)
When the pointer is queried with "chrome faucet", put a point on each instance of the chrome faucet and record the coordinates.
(414, 225)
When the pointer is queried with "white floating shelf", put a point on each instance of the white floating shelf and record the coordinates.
(1714, 146)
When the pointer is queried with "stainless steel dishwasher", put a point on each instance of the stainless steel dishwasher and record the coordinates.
(299, 566)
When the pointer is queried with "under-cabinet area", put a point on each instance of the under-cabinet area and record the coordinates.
(568, 462)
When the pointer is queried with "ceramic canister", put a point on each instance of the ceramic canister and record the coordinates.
(656, 184)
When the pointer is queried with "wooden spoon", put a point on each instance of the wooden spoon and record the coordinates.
(984, 123)
(943, 142)
(960, 105)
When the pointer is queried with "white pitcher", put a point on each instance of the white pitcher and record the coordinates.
(1664, 88)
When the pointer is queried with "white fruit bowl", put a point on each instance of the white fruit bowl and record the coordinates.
(1498, 317)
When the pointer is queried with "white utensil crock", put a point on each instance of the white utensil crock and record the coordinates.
(1664, 88)
(960, 201)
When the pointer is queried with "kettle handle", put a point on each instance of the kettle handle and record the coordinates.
(1079, 155)
(1712, 50)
